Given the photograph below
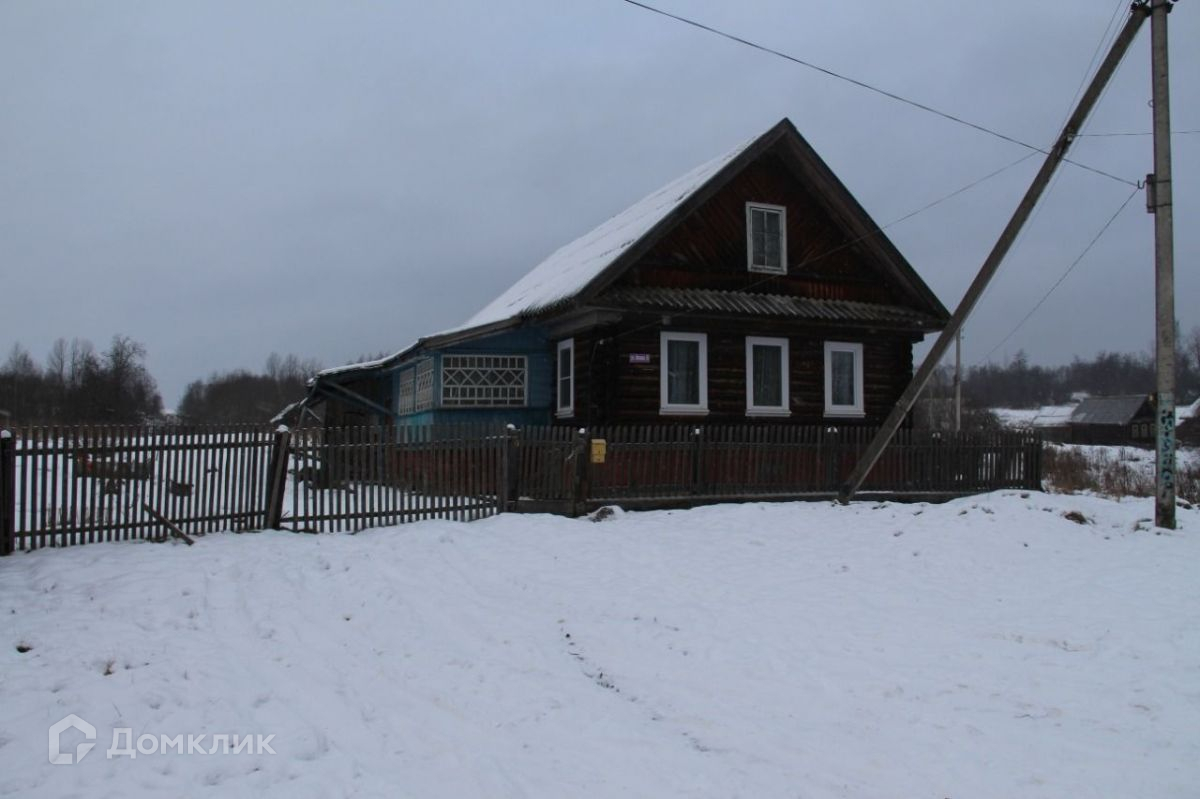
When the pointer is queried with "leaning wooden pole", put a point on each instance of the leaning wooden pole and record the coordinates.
(1137, 16)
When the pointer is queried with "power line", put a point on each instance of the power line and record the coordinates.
(869, 87)
(909, 215)
(1061, 278)
(1101, 46)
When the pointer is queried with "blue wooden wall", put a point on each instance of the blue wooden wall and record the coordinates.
(528, 341)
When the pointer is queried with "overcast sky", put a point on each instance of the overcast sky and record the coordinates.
(223, 180)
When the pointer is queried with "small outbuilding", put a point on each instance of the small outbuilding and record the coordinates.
(1113, 420)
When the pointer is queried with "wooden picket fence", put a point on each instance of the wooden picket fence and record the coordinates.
(648, 466)
(355, 477)
(63, 486)
(74, 485)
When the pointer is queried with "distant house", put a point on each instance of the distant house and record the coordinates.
(755, 287)
(1113, 420)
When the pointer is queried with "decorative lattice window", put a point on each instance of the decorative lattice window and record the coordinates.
(406, 401)
(424, 386)
(483, 380)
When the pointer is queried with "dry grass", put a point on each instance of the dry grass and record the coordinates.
(1112, 472)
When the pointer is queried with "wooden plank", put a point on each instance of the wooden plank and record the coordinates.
(175, 531)
(41, 444)
(22, 503)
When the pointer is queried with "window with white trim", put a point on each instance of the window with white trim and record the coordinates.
(683, 373)
(484, 381)
(565, 378)
(766, 376)
(407, 395)
(423, 378)
(843, 378)
(766, 238)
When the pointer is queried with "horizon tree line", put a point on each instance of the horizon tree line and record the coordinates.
(76, 384)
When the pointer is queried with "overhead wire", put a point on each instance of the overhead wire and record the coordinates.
(1061, 278)
(1107, 37)
(1101, 45)
(869, 87)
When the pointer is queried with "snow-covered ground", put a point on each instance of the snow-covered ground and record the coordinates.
(988, 647)
(1140, 459)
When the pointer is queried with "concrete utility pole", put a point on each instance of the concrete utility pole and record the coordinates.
(1159, 204)
(992, 263)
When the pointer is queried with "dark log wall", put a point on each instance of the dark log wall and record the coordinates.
(343, 412)
(708, 248)
(609, 389)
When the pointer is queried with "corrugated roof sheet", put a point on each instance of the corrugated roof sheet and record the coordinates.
(744, 302)
(1108, 410)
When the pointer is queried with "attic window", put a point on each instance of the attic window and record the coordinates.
(766, 238)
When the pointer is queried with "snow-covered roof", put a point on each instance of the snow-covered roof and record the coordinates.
(354, 367)
(1109, 410)
(570, 268)
(1045, 416)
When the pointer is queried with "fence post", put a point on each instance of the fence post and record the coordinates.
(508, 469)
(830, 454)
(583, 457)
(277, 477)
(697, 443)
(1035, 455)
(8, 492)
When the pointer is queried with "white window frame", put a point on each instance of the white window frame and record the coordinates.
(564, 411)
(406, 395)
(783, 409)
(858, 407)
(476, 396)
(699, 409)
(783, 261)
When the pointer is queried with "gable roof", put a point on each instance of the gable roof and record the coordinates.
(585, 266)
(580, 270)
(1109, 410)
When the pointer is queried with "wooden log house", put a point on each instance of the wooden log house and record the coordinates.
(753, 288)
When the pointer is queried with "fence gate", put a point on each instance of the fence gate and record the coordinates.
(351, 478)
